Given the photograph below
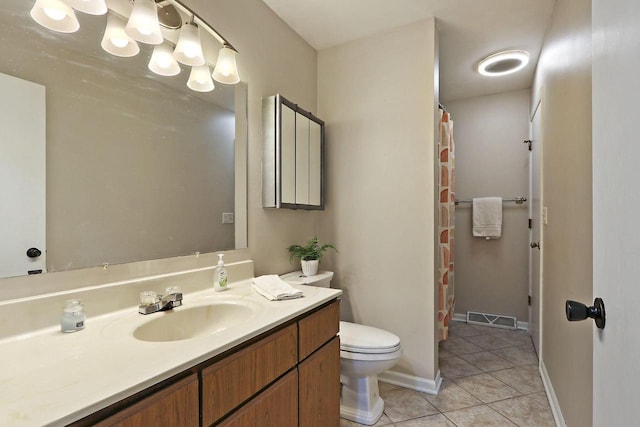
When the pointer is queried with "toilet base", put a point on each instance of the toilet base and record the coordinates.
(360, 400)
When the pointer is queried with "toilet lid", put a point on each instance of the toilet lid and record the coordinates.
(366, 339)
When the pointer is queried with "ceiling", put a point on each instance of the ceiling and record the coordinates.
(469, 30)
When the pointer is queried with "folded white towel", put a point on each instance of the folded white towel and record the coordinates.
(274, 288)
(487, 217)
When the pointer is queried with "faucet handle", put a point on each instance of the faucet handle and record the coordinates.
(173, 289)
(148, 298)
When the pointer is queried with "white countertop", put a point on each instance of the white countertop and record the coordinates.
(52, 378)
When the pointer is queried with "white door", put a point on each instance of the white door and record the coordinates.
(22, 176)
(535, 213)
(616, 210)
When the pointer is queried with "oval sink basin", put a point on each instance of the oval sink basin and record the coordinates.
(193, 322)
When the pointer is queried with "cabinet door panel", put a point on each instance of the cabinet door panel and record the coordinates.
(319, 384)
(275, 407)
(315, 163)
(288, 155)
(228, 383)
(302, 159)
(174, 406)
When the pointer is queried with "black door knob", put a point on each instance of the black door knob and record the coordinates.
(34, 252)
(578, 311)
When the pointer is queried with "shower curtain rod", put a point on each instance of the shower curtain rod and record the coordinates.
(517, 200)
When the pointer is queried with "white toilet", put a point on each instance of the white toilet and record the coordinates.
(364, 353)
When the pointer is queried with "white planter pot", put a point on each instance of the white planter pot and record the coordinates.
(309, 268)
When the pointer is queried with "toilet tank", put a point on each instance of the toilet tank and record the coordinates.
(322, 279)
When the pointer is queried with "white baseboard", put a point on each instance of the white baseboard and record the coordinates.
(523, 325)
(414, 383)
(551, 395)
(461, 317)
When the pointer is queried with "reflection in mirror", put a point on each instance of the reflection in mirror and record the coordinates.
(138, 166)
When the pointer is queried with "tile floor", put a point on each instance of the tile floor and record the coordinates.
(490, 378)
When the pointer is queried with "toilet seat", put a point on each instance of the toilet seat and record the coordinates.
(367, 340)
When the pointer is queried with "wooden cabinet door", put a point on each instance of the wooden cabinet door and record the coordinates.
(277, 406)
(319, 387)
(173, 406)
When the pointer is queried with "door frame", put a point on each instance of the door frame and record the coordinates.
(536, 217)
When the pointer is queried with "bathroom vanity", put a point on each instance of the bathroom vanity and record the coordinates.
(288, 375)
(277, 364)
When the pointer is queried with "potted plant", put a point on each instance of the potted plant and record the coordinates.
(309, 255)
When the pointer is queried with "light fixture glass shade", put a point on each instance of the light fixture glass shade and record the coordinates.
(162, 61)
(55, 15)
(200, 79)
(116, 41)
(92, 7)
(226, 70)
(189, 50)
(503, 63)
(143, 23)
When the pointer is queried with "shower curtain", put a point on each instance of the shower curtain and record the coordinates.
(446, 201)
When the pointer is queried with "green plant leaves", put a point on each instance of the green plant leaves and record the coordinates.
(310, 251)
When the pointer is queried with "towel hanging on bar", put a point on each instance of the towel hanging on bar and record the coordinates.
(517, 200)
(487, 217)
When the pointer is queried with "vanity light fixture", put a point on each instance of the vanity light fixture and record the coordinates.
(503, 63)
(55, 15)
(116, 41)
(143, 23)
(226, 70)
(92, 7)
(162, 61)
(200, 79)
(188, 50)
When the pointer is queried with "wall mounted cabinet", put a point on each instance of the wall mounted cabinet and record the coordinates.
(293, 156)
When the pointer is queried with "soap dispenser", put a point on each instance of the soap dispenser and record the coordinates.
(220, 276)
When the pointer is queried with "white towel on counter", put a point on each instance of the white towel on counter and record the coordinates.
(274, 288)
(487, 217)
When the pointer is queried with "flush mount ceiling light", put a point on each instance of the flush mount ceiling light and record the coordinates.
(55, 15)
(503, 63)
(143, 24)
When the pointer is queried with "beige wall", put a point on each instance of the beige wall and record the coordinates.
(563, 80)
(377, 98)
(491, 276)
(273, 58)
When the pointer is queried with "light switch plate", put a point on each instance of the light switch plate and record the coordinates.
(227, 217)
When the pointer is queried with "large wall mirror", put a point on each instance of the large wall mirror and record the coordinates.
(138, 166)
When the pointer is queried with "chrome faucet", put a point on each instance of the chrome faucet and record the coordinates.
(152, 303)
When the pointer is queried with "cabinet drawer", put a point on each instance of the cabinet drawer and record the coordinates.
(318, 328)
(275, 407)
(174, 406)
(228, 383)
